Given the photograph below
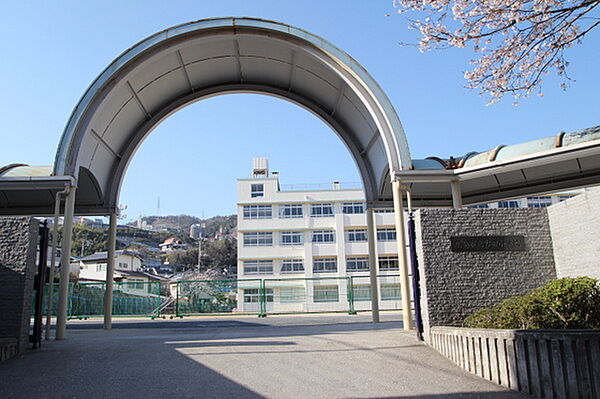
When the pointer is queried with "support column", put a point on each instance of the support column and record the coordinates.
(65, 266)
(402, 258)
(456, 194)
(372, 264)
(110, 271)
(53, 262)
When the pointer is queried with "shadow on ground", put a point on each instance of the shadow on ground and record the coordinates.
(235, 358)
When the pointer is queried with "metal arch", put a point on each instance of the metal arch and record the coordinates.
(368, 178)
(373, 97)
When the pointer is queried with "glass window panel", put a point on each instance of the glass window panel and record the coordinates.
(324, 265)
(386, 234)
(291, 211)
(321, 210)
(326, 293)
(323, 236)
(292, 266)
(357, 263)
(356, 235)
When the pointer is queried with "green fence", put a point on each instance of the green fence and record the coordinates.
(245, 296)
(284, 295)
(129, 299)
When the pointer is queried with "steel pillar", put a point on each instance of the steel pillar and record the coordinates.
(402, 258)
(65, 266)
(372, 265)
(110, 271)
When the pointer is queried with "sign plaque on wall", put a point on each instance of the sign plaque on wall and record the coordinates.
(487, 243)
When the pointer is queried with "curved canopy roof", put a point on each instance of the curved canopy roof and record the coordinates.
(187, 63)
(561, 162)
(556, 163)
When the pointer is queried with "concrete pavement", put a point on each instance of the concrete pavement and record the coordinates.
(323, 356)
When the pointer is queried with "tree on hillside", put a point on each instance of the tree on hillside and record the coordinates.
(519, 41)
(221, 253)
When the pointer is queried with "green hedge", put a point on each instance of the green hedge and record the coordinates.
(566, 303)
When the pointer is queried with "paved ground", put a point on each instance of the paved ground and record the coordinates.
(305, 357)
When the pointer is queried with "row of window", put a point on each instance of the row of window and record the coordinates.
(265, 238)
(532, 202)
(321, 293)
(262, 211)
(320, 265)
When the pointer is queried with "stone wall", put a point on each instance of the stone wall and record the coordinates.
(18, 246)
(575, 227)
(455, 284)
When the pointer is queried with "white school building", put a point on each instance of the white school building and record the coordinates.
(289, 236)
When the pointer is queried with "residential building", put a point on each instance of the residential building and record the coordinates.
(307, 243)
(128, 269)
(172, 244)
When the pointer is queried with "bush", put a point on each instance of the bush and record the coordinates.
(566, 303)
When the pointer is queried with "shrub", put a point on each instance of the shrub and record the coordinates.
(566, 303)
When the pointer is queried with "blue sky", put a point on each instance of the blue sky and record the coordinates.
(51, 52)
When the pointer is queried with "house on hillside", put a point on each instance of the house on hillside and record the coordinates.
(128, 273)
(172, 244)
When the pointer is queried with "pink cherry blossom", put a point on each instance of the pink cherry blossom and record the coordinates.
(522, 39)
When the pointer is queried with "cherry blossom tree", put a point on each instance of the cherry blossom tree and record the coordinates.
(518, 41)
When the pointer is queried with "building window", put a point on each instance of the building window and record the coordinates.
(357, 264)
(101, 267)
(291, 211)
(324, 265)
(258, 267)
(386, 234)
(390, 292)
(252, 295)
(292, 294)
(384, 210)
(356, 235)
(321, 210)
(539, 202)
(291, 238)
(481, 206)
(258, 212)
(353, 207)
(361, 292)
(135, 284)
(326, 293)
(257, 190)
(562, 198)
(258, 239)
(388, 263)
(289, 266)
(323, 236)
(508, 204)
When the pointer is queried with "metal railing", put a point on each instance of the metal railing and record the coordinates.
(260, 296)
(129, 299)
(284, 295)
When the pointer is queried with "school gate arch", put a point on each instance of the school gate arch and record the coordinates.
(190, 62)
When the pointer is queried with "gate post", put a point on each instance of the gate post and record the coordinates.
(110, 271)
(65, 266)
(372, 263)
(402, 259)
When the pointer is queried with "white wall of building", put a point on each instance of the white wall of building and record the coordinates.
(305, 297)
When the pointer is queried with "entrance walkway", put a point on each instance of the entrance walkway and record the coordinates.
(324, 356)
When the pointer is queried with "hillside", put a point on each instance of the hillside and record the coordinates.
(180, 224)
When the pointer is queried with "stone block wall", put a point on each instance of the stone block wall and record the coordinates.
(455, 284)
(18, 247)
(575, 227)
